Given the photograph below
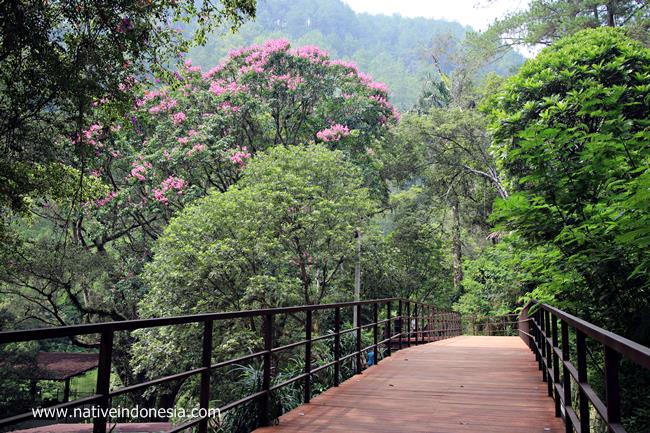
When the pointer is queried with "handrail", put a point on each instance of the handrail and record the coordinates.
(552, 352)
(503, 324)
(426, 319)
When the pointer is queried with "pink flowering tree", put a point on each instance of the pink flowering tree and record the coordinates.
(194, 133)
(197, 132)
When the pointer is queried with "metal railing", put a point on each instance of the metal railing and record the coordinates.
(425, 320)
(503, 325)
(546, 330)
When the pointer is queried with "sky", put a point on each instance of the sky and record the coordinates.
(476, 13)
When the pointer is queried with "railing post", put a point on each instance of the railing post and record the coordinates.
(400, 312)
(408, 323)
(612, 392)
(206, 361)
(581, 351)
(103, 378)
(542, 341)
(445, 324)
(358, 339)
(549, 353)
(266, 375)
(432, 328)
(417, 321)
(538, 340)
(566, 376)
(375, 332)
(388, 329)
(308, 327)
(337, 346)
(556, 364)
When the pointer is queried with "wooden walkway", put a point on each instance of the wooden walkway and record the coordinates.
(460, 385)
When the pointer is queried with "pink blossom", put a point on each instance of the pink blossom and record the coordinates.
(274, 45)
(169, 184)
(396, 114)
(241, 51)
(288, 80)
(173, 183)
(91, 135)
(379, 86)
(195, 149)
(183, 140)
(227, 106)
(381, 101)
(149, 95)
(160, 196)
(179, 118)
(239, 155)
(213, 71)
(219, 87)
(345, 64)
(189, 68)
(164, 105)
(311, 52)
(333, 133)
(92, 130)
(365, 78)
(138, 172)
(104, 201)
(257, 56)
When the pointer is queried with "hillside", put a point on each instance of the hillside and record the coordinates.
(394, 49)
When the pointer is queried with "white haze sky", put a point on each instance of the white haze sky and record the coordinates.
(476, 13)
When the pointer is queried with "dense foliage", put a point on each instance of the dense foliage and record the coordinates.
(572, 134)
(57, 57)
(281, 236)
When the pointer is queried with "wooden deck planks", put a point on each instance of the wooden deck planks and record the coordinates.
(460, 385)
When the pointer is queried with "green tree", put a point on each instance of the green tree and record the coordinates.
(281, 236)
(284, 235)
(571, 132)
(446, 149)
(545, 21)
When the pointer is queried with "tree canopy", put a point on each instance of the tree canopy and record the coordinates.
(571, 133)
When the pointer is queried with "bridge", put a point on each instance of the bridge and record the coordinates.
(409, 369)
(469, 384)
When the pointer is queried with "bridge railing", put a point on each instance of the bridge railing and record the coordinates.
(547, 331)
(407, 322)
(502, 325)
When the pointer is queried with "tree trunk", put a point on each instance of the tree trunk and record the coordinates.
(457, 254)
(610, 15)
